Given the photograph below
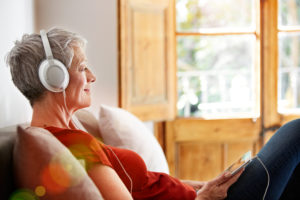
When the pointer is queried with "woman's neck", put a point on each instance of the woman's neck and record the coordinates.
(49, 112)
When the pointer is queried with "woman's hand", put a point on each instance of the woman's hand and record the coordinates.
(217, 188)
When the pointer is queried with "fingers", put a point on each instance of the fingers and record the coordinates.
(221, 179)
(225, 181)
(233, 179)
(218, 187)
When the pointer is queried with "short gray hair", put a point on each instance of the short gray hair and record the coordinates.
(27, 54)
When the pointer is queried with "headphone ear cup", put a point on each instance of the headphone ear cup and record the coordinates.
(54, 75)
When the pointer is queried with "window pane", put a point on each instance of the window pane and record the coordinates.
(216, 76)
(191, 15)
(289, 71)
(289, 12)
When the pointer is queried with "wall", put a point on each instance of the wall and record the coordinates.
(16, 18)
(96, 20)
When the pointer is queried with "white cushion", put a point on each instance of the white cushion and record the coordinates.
(122, 129)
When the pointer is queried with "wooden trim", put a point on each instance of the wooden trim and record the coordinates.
(119, 39)
(269, 63)
(287, 118)
(289, 30)
(159, 133)
(170, 147)
(212, 33)
(218, 130)
(175, 58)
(258, 58)
(122, 51)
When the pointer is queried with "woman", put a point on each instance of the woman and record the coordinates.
(119, 173)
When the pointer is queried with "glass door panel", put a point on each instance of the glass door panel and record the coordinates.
(192, 15)
(216, 76)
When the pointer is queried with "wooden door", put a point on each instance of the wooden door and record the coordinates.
(147, 73)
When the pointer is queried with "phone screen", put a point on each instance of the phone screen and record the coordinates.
(243, 161)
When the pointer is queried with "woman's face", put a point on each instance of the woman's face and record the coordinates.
(78, 92)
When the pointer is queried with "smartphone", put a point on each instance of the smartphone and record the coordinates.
(242, 162)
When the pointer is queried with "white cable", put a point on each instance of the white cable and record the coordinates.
(122, 168)
(65, 103)
(130, 180)
(268, 175)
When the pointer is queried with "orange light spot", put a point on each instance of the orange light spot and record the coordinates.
(40, 191)
(55, 179)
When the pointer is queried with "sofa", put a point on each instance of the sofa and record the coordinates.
(115, 127)
(7, 140)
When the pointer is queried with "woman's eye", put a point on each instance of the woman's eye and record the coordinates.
(83, 69)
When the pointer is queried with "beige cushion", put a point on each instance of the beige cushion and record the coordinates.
(87, 122)
(48, 169)
(122, 129)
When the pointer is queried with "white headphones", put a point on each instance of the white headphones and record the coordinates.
(53, 74)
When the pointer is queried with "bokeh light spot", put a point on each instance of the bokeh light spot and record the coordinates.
(55, 178)
(40, 191)
(23, 195)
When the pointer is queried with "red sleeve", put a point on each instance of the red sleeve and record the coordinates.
(82, 145)
(162, 186)
(147, 184)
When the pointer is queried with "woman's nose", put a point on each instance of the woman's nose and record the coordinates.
(90, 76)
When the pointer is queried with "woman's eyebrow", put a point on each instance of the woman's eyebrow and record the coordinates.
(83, 62)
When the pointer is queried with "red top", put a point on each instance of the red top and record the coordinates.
(146, 184)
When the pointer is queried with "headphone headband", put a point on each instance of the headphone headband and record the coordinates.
(46, 45)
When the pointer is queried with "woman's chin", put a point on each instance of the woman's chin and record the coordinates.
(84, 105)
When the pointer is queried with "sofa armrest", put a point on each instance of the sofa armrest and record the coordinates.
(7, 140)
